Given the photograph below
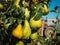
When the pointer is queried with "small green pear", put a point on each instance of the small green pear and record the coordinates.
(45, 9)
(34, 36)
(1, 6)
(39, 43)
(20, 43)
(27, 13)
(16, 2)
(35, 24)
(26, 30)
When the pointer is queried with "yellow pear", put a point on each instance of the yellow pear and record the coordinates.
(45, 9)
(26, 30)
(35, 24)
(18, 32)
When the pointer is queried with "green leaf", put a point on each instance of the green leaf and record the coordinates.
(6, 26)
(38, 11)
(38, 15)
(37, 7)
(20, 21)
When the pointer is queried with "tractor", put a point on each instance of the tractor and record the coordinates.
(51, 27)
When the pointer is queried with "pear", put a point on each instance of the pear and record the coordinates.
(16, 3)
(1, 6)
(27, 13)
(26, 29)
(18, 32)
(35, 24)
(20, 43)
(45, 9)
(34, 36)
(39, 43)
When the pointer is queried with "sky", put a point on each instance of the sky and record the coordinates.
(52, 15)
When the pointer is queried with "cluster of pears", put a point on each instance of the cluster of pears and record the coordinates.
(22, 31)
(25, 31)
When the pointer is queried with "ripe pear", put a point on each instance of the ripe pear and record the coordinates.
(45, 9)
(18, 32)
(35, 24)
(26, 30)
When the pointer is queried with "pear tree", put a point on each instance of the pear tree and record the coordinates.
(27, 13)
